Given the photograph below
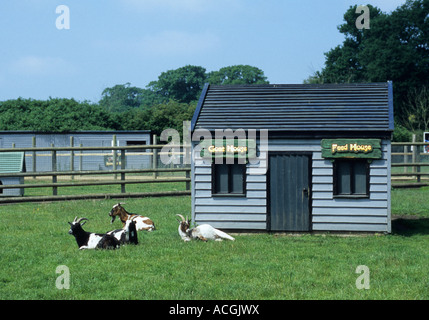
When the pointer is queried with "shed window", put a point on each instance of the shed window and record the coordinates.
(228, 179)
(351, 178)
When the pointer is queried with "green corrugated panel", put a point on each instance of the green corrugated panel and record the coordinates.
(11, 162)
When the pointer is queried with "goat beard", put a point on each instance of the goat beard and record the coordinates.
(113, 219)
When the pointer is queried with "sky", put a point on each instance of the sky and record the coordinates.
(77, 48)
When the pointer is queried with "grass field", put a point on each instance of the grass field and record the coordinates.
(35, 242)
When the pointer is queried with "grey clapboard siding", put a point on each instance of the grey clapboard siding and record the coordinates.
(328, 213)
(248, 212)
(341, 214)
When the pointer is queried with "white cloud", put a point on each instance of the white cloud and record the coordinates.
(179, 43)
(41, 66)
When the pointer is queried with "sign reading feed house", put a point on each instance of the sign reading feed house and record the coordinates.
(351, 148)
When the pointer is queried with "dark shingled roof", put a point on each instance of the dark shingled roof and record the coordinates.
(296, 107)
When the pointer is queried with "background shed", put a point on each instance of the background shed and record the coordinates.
(85, 160)
(11, 162)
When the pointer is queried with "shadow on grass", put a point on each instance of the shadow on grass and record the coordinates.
(409, 226)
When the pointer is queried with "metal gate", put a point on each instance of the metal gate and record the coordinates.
(289, 191)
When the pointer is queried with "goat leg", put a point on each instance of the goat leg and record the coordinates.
(202, 238)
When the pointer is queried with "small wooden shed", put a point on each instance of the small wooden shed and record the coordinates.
(323, 154)
(11, 162)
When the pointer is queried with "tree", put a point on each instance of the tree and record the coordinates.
(239, 74)
(123, 97)
(183, 84)
(416, 114)
(53, 115)
(120, 98)
(157, 118)
(394, 48)
(343, 63)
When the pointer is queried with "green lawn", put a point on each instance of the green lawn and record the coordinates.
(35, 242)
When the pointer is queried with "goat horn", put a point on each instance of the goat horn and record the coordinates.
(80, 219)
(183, 219)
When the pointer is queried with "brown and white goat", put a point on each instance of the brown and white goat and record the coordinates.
(203, 232)
(142, 223)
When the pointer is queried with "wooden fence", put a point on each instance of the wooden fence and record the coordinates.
(414, 172)
(414, 163)
(121, 172)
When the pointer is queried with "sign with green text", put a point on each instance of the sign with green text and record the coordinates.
(351, 148)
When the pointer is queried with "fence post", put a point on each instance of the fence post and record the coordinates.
(155, 157)
(188, 183)
(123, 173)
(114, 156)
(81, 156)
(72, 156)
(405, 158)
(416, 158)
(54, 168)
(34, 155)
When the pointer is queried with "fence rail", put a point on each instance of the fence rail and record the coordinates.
(419, 164)
(122, 172)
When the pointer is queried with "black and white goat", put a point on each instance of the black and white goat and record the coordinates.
(90, 240)
(128, 234)
(203, 232)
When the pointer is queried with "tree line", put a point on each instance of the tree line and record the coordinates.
(396, 47)
(164, 103)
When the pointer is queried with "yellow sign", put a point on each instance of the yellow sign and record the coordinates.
(351, 147)
(225, 148)
(228, 148)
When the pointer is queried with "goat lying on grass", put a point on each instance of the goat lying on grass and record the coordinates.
(90, 240)
(203, 232)
(142, 223)
(126, 235)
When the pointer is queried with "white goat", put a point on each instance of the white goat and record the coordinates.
(203, 232)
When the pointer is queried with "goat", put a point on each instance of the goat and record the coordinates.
(142, 223)
(90, 240)
(126, 235)
(203, 232)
